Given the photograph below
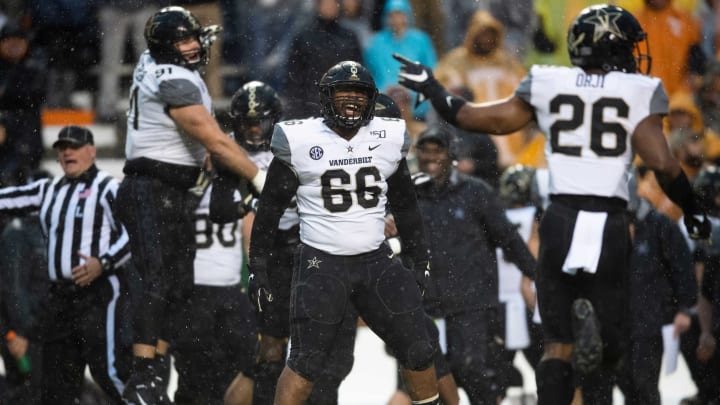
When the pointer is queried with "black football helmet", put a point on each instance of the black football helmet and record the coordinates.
(707, 190)
(255, 108)
(385, 106)
(516, 184)
(348, 112)
(608, 38)
(172, 24)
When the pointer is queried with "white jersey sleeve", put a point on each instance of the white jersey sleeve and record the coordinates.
(342, 184)
(509, 275)
(290, 217)
(151, 132)
(219, 256)
(589, 120)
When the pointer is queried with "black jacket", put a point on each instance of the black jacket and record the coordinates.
(661, 278)
(313, 51)
(465, 223)
(24, 280)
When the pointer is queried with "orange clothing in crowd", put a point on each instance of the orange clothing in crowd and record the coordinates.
(491, 76)
(671, 33)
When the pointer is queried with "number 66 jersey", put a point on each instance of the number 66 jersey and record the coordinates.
(589, 120)
(342, 183)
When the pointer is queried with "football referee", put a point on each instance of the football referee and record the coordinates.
(85, 245)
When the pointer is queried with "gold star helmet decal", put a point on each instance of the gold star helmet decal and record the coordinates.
(605, 22)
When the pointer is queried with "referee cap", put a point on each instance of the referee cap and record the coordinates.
(74, 135)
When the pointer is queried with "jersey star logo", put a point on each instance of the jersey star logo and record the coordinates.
(314, 262)
(605, 22)
(349, 149)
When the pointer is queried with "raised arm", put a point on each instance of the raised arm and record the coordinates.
(498, 117)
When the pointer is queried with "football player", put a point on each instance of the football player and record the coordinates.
(345, 169)
(255, 109)
(170, 128)
(595, 114)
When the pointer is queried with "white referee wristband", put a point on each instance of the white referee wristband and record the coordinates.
(259, 180)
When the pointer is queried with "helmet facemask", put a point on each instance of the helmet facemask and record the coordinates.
(348, 110)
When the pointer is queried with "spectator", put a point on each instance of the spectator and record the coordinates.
(552, 19)
(398, 35)
(483, 65)
(67, 33)
(170, 130)
(353, 17)
(430, 17)
(457, 14)
(24, 286)
(708, 97)
(677, 58)
(22, 90)
(118, 21)
(515, 17)
(314, 49)
(86, 245)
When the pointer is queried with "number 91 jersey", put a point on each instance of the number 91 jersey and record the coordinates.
(342, 183)
(589, 120)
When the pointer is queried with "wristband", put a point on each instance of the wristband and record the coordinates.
(259, 180)
(446, 104)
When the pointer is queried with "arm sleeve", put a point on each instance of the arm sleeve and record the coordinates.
(282, 185)
(23, 199)
(677, 254)
(504, 234)
(404, 207)
(179, 93)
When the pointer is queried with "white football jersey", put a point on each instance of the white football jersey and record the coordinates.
(290, 217)
(151, 132)
(343, 184)
(509, 276)
(589, 120)
(219, 256)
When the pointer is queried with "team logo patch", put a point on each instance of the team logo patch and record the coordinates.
(316, 153)
(379, 133)
(314, 262)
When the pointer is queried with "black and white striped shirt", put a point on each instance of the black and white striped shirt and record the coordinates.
(76, 216)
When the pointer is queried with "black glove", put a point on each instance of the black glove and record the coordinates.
(258, 285)
(416, 77)
(420, 78)
(698, 226)
(422, 275)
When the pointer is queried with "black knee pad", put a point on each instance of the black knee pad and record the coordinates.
(418, 356)
(310, 365)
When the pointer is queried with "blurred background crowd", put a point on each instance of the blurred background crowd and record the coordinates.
(69, 61)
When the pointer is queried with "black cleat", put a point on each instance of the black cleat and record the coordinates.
(588, 342)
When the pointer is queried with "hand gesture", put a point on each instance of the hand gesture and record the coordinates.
(258, 289)
(415, 76)
(698, 226)
(87, 272)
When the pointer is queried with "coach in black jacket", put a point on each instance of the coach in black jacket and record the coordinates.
(465, 223)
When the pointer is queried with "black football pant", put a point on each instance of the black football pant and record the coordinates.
(158, 218)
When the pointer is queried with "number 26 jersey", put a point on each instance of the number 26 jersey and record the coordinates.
(342, 183)
(589, 120)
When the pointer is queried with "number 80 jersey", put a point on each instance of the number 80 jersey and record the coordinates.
(589, 120)
(342, 189)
